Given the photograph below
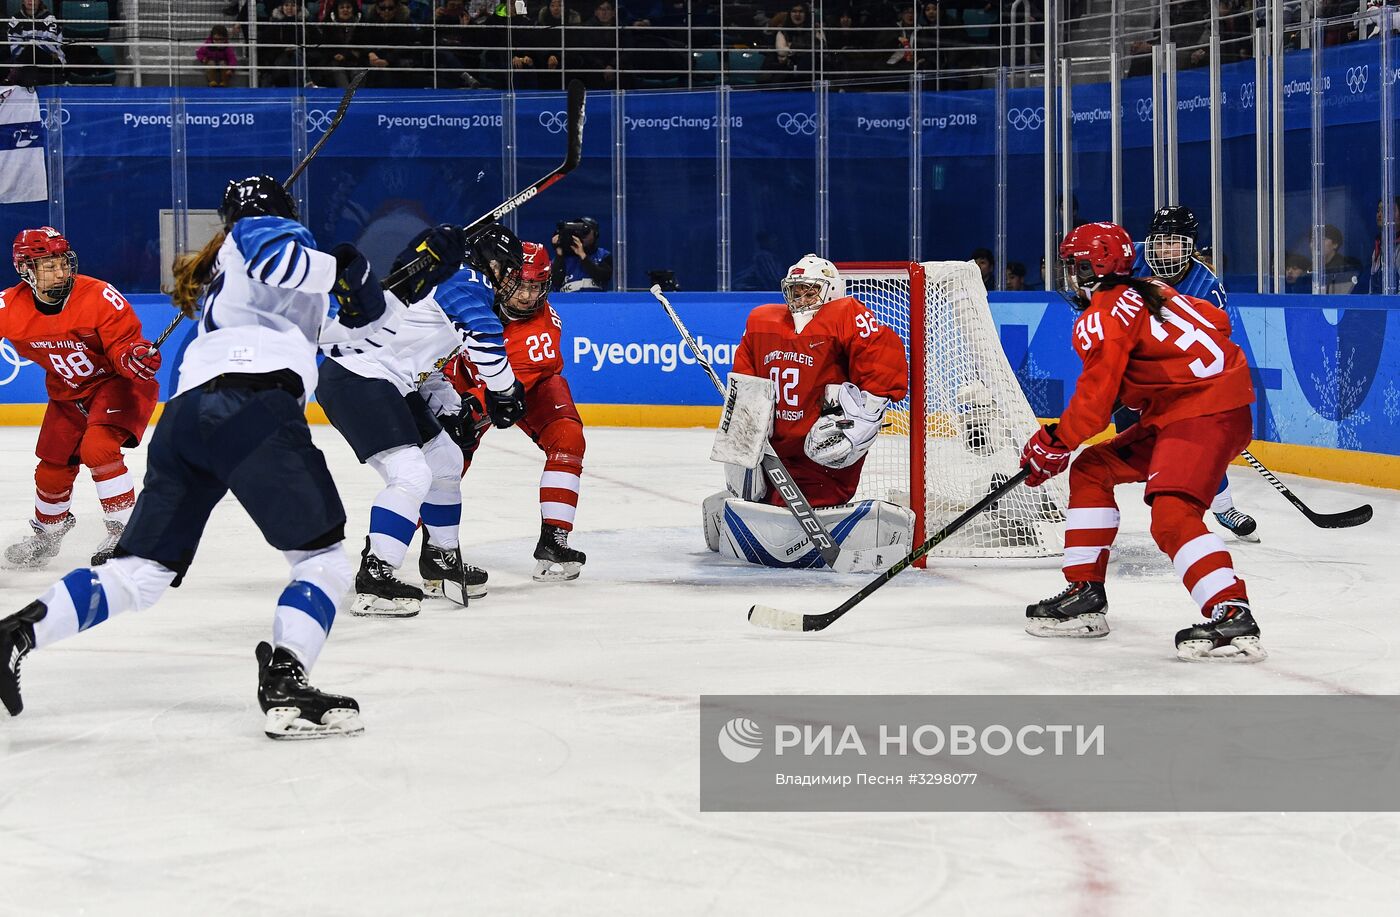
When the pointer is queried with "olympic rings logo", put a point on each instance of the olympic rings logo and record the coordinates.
(1144, 109)
(55, 117)
(1357, 77)
(797, 123)
(553, 121)
(8, 355)
(1247, 95)
(1026, 119)
(318, 120)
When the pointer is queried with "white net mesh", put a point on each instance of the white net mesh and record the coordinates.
(976, 417)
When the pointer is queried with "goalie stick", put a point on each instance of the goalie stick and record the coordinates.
(778, 619)
(772, 465)
(572, 155)
(296, 173)
(1343, 520)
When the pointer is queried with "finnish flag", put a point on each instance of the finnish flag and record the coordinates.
(23, 176)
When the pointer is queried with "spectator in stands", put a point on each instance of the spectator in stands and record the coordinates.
(507, 60)
(1297, 274)
(390, 40)
(1339, 272)
(455, 40)
(340, 50)
(598, 47)
(553, 15)
(217, 56)
(986, 263)
(284, 36)
(580, 263)
(899, 45)
(35, 46)
(1373, 280)
(1368, 21)
(1015, 276)
(547, 42)
(798, 41)
(847, 46)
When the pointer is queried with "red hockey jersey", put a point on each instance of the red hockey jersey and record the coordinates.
(78, 347)
(532, 347)
(842, 343)
(1182, 366)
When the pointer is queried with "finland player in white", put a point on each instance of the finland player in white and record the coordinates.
(371, 398)
(237, 424)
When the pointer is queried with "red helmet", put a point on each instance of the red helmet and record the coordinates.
(529, 294)
(1092, 252)
(33, 245)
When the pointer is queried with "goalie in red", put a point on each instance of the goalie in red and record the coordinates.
(1170, 357)
(823, 372)
(101, 385)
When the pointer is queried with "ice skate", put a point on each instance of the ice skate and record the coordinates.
(1241, 525)
(557, 561)
(379, 593)
(108, 546)
(446, 574)
(42, 546)
(16, 640)
(296, 710)
(1078, 611)
(1230, 636)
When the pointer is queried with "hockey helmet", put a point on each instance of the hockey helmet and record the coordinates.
(1171, 239)
(811, 283)
(496, 252)
(33, 246)
(534, 283)
(1090, 254)
(254, 196)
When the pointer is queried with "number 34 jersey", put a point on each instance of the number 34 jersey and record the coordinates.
(1183, 366)
(76, 346)
(842, 343)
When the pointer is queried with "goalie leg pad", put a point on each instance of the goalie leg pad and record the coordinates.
(747, 421)
(746, 482)
(874, 532)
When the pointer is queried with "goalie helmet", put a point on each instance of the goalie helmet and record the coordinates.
(530, 292)
(35, 245)
(812, 283)
(1089, 255)
(256, 196)
(1170, 242)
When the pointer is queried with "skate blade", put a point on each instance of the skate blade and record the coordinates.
(1085, 626)
(1251, 538)
(547, 572)
(287, 723)
(1239, 650)
(373, 606)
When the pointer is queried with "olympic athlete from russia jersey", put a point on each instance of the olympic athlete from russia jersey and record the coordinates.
(1169, 357)
(533, 342)
(100, 376)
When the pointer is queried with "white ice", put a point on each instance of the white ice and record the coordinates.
(537, 753)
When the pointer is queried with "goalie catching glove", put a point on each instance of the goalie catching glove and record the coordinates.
(847, 427)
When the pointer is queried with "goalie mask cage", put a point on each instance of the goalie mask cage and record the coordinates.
(959, 432)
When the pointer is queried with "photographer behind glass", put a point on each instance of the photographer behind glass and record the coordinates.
(579, 262)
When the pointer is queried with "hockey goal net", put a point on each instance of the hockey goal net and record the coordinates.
(959, 432)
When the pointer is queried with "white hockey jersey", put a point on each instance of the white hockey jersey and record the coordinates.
(267, 307)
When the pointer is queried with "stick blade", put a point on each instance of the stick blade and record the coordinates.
(576, 119)
(1349, 519)
(775, 618)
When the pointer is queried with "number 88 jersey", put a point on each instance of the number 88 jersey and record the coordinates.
(76, 346)
(1183, 365)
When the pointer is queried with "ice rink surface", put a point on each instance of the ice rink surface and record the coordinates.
(537, 753)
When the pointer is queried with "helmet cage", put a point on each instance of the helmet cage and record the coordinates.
(34, 246)
(535, 290)
(796, 304)
(1168, 253)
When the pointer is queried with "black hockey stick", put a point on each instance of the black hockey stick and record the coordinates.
(772, 465)
(778, 619)
(1342, 520)
(296, 173)
(575, 119)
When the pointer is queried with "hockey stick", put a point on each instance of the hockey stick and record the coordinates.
(772, 465)
(1342, 520)
(296, 173)
(778, 619)
(394, 282)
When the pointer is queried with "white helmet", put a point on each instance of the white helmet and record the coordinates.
(817, 272)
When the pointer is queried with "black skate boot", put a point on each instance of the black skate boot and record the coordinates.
(557, 561)
(1230, 636)
(1241, 525)
(294, 709)
(16, 640)
(446, 574)
(379, 593)
(1076, 612)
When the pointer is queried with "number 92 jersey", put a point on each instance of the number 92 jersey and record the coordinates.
(77, 345)
(1183, 366)
(842, 343)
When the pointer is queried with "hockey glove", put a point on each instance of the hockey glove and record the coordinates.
(506, 407)
(467, 427)
(447, 249)
(356, 291)
(140, 360)
(1045, 456)
(847, 427)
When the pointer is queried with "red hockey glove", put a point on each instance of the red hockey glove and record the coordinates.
(1045, 456)
(139, 361)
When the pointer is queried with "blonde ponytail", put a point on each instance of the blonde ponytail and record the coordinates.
(192, 274)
